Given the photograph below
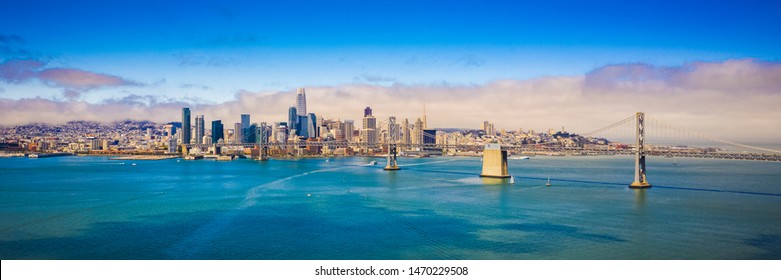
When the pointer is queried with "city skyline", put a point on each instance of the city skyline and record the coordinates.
(535, 65)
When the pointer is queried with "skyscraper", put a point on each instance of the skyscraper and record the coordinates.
(311, 126)
(217, 133)
(369, 128)
(186, 125)
(407, 138)
(417, 133)
(237, 133)
(200, 130)
(301, 102)
(292, 120)
(349, 127)
(244, 129)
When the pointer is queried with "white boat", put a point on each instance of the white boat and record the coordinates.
(512, 179)
(373, 162)
(548, 183)
(521, 157)
(134, 164)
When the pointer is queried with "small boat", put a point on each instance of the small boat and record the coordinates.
(547, 184)
(675, 162)
(522, 157)
(134, 164)
(326, 160)
(512, 179)
(373, 162)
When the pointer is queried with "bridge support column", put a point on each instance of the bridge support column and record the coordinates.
(641, 181)
(263, 152)
(391, 166)
(184, 149)
(494, 162)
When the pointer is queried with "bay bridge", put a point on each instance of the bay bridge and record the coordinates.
(495, 154)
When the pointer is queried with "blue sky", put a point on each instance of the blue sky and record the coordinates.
(285, 44)
(206, 52)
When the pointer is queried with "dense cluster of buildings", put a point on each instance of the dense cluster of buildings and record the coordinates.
(301, 126)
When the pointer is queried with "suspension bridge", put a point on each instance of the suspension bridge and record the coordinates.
(667, 143)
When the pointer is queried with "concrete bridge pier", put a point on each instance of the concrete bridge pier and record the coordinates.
(494, 162)
(392, 166)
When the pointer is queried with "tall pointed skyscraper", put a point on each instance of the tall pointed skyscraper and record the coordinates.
(301, 102)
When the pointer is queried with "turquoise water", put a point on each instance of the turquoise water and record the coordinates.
(435, 208)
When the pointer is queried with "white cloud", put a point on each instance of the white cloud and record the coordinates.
(736, 100)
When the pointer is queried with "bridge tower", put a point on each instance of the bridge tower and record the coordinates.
(391, 166)
(641, 181)
(494, 162)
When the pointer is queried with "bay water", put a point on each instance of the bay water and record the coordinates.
(346, 208)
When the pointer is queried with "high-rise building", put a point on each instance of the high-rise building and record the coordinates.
(200, 130)
(369, 129)
(417, 132)
(301, 102)
(311, 126)
(245, 124)
(367, 111)
(405, 134)
(337, 127)
(349, 127)
(217, 131)
(292, 120)
(238, 134)
(186, 125)
(172, 145)
(280, 132)
(488, 128)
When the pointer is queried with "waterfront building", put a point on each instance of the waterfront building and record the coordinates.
(94, 144)
(171, 145)
(186, 125)
(200, 131)
(217, 131)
